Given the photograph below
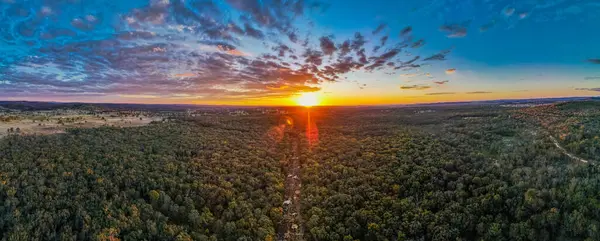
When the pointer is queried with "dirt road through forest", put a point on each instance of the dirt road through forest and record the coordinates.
(565, 151)
(291, 226)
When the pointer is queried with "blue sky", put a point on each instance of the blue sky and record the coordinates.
(267, 52)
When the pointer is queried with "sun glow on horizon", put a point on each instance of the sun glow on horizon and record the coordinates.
(308, 99)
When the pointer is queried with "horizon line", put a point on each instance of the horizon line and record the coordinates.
(272, 106)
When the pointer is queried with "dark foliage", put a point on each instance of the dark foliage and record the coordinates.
(425, 173)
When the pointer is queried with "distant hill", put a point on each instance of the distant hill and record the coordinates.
(39, 106)
(32, 106)
(510, 101)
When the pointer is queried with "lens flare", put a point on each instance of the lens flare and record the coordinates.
(312, 132)
(286, 120)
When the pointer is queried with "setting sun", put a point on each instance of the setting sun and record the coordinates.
(308, 99)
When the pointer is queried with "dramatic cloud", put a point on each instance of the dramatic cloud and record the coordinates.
(450, 71)
(147, 51)
(231, 49)
(441, 82)
(415, 87)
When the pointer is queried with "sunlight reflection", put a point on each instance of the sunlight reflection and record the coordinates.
(312, 132)
(275, 134)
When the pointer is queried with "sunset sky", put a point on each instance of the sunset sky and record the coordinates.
(251, 52)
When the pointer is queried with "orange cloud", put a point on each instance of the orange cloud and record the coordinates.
(230, 50)
(237, 52)
(277, 87)
(450, 71)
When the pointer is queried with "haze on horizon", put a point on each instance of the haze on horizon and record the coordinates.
(250, 52)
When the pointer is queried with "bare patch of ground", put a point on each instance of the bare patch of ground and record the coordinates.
(58, 124)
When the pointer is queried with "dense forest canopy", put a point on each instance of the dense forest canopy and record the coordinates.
(481, 172)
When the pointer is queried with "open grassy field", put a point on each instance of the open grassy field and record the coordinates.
(32, 124)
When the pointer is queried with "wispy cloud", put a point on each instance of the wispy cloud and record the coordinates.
(523, 15)
(509, 11)
(441, 93)
(458, 30)
(379, 28)
(478, 92)
(415, 87)
(185, 75)
(277, 87)
(439, 56)
(589, 89)
(487, 26)
(450, 71)
(406, 32)
(419, 43)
